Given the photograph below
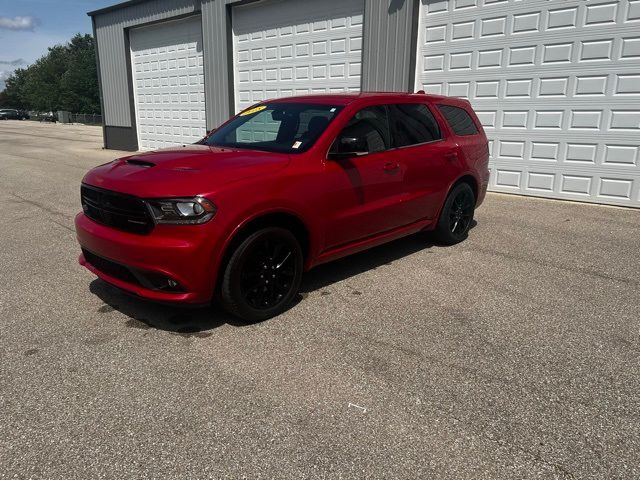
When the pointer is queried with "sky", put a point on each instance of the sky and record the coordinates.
(29, 27)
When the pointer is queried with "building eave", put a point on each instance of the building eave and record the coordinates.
(112, 8)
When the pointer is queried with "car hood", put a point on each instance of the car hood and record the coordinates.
(183, 171)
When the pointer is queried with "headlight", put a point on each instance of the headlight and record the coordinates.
(182, 211)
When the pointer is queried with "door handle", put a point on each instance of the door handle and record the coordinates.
(391, 167)
(451, 156)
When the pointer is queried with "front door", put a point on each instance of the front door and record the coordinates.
(364, 192)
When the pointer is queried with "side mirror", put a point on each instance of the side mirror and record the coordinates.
(346, 147)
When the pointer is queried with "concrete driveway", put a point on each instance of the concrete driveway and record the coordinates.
(512, 355)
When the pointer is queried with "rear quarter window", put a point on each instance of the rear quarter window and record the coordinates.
(459, 120)
(412, 124)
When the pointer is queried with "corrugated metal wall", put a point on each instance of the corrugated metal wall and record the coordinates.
(217, 88)
(388, 52)
(113, 58)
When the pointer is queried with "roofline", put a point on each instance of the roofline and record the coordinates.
(345, 98)
(117, 6)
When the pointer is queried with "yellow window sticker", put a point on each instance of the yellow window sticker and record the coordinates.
(253, 110)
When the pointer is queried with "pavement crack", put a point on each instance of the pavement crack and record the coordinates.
(477, 430)
(55, 137)
(45, 160)
(41, 206)
(66, 227)
(583, 271)
(556, 466)
(566, 473)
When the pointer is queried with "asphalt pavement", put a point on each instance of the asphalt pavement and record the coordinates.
(512, 355)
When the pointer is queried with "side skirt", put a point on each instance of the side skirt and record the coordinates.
(370, 242)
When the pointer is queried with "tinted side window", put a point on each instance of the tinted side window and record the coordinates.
(372, 125)
(311, 121)
(459, 120)
(412, 123)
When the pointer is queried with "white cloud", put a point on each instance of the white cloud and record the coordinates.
(14, 63)
(4, 74)
(25, 45)
(18, 23)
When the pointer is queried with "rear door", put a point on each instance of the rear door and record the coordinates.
(430, 159)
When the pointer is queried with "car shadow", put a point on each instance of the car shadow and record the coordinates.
(324, 275)
(338, 270)
(144, 314)
(199, 322)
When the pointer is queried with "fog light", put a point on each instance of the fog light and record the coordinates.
(172, 283)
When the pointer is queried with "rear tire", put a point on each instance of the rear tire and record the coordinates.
(456, 215)
(263, 275)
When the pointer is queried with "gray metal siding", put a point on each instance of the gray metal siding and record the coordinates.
(388, 50)
(110, 36)
(104, 131)
(120, 138)
(217, 72)
(389, 47)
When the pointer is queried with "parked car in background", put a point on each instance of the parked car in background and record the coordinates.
(48, 117)
(283, 186)
(11, 114)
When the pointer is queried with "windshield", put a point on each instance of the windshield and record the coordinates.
(277, 127)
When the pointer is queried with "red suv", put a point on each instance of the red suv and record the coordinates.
(281, 187)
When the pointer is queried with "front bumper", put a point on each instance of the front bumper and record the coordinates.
(183, 254)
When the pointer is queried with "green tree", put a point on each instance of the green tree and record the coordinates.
(41, 90)
(64, 79)
(79, 84)
(12, 96)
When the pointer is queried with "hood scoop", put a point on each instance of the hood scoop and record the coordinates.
(140, 163)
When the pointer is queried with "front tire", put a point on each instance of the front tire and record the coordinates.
(263, 275)
(456, 216)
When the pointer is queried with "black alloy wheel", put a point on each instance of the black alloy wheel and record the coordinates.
(267, 273)
(263, 274)
(456, 216)
(461, 212)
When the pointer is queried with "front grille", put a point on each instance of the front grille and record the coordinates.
(124, 212)
(110, 267)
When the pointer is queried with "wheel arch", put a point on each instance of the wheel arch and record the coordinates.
(273, 218)
(469, 179)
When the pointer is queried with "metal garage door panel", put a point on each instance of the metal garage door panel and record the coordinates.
(289, 47)
(556, 84)
(168, 77)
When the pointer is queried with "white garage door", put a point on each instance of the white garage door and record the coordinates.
(556, 84)
(293, 47)
(168, 83)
